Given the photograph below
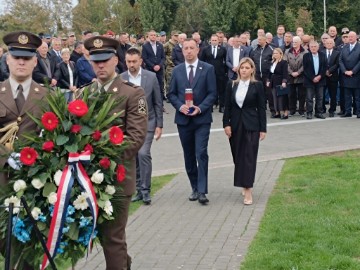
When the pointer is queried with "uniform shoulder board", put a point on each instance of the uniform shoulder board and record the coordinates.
(130, 84)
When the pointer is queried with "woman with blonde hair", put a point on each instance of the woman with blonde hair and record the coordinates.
(277, 82)
(244, 122)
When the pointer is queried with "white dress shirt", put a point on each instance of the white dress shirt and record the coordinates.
(26, 87)
(241, 92)
(236, 57)
(187, 65)
(135, 79)
(71, 75)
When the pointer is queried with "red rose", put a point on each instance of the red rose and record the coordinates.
(120, 173)
(89, 148)
(50, 121)
(96, 135)
(48, 146)
(78, 108)
(116, 135)
(75, 128)
(105, 163)
(28, 156)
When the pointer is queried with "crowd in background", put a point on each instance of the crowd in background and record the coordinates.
(327, 70)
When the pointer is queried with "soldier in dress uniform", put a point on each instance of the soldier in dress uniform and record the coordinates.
(134, 118)
(19, 95)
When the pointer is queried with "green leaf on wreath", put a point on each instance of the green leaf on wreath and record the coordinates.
(85, 130)
(72, 148)
(48, 188)
(43, 177)
(66, 125)
(62, 139)
(41, 226)
(100, 220)
(101, 203)
(33, 170)
(105, 197)
(73, 232)
(112, 166)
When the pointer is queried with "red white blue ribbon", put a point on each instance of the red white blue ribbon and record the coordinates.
(73, 170)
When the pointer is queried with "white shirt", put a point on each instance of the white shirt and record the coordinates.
(187, 65)
(241, 92)
(214, 50)
(135, 79)
(236, 57)
(273, 66)
(71, 76)
(26, 87)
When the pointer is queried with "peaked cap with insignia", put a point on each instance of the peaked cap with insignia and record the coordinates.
(101, 48)
(22, 43)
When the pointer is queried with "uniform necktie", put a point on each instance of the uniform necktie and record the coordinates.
(191, 74)
(102, 90)
(20, 98)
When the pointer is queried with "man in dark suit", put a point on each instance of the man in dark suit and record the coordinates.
(278, 40)
(45, 71)
(55, 51)
(215, 55)
(148, 81)
(315, 65)
(193, 122)
(177, 55)
(121, 51)
(350, 69)
(332, 75)
(134, 116)
(233, 57)
(153, 55)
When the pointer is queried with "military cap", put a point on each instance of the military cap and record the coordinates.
(101, 48)
(162, 33)
(71, 34)
(22, 43)
(64, 37)
(175, 33)
(48, 36)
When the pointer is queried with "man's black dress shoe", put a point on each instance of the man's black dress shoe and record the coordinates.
(358, 116)
(341, 113)
(202, 198)
(319, 115)
(194, 196)
(275, 115)
(309, 116)
(138, 197)
(146, 198)
(221, 109)
(346, 115)
(331, 114)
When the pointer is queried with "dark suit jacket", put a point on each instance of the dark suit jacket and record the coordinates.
(64, 76)
(252, 115)
(121, 52)
(279, 75)
(218, 62)
(204, 91)
(85, 71)
(309, 72)
(55, 56)
(40, 75)
(177, 55)
(244, 52)
(350, 61)
(332, 65)
(153, 97)
(275, 41)
(151, 59)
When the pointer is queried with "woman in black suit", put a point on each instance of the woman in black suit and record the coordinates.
(67, 75)
(244, 122)
(278, 77)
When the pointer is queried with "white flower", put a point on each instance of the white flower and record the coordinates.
(108, 208)
(57, 177)
(97, 177)
(36, 212)
(110, 189)
(80, 202)
(19, 185)
(36, 182)
(52, 198)
(16, 201)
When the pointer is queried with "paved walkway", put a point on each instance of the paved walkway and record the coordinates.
(174, 233)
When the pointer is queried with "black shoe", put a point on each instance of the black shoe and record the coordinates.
(194, 196)
(331, 114)
(358, 116)
(275, 115)
(346, 115)
(138, 197)
(302, 114)
(283, 117)
(221, 109)
(341, 113)
(146, 198)
(292, 113)
(309, 116)
(319, 115)
(202, 198)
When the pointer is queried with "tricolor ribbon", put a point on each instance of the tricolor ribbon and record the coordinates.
(73, 170)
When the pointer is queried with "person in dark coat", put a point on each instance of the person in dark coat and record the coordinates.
(278, 77)
(85, 70)
(244, 122)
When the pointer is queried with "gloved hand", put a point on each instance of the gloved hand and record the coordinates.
(14, 161)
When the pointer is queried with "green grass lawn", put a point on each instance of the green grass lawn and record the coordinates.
(312, 220)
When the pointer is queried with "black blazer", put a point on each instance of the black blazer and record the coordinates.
(219, 62)
(55, 56)
(64, 76)
(309, 72)
(332, 65)
(280, 74)
(39, 74)
(151, 59)
(350, 61)
(177, 55)
(252, 115)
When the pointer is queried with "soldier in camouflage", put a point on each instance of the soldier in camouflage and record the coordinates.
(169, 65)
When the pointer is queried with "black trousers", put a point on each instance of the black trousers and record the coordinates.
(331, 86)
(297, 93)
(267, 92)
(317, 92)
(221, 86)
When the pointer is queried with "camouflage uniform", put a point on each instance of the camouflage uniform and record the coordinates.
(169, 65)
